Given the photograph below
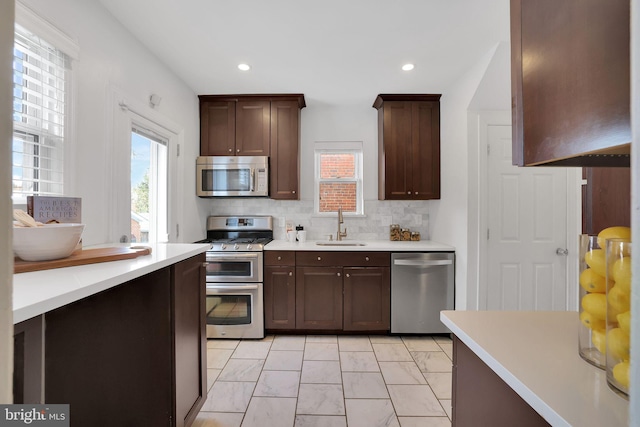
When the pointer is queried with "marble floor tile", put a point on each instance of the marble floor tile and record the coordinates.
(420, 344)
(321, 351)
(220, 343)
(217, 358)
(267, 338)
(442, 339)
(252, 350)
(358, 361)
(270, 411)
(424, 422)
(212, 376)
(229, 397)
(371, 413)
(446, 404)
(364, 385)
(401, 373)
(332, 339)
(218, 419)
(432, 361)
(241, 370)
(278, 384)
(415, 400)
(288, 342)
(440, 383)
(383, 339)
(320, 421)
(284, 361)
(320, 399)
(392, 352)
(448, 349)
(354, 343)
(321, 372)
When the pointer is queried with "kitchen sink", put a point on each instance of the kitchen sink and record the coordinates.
(340, 243)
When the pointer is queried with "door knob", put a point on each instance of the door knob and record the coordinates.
(561, 251)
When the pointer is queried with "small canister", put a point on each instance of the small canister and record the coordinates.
(415, 236)
(406, 234)
(394, 232)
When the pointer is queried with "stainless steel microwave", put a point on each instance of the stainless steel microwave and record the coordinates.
(232, 176)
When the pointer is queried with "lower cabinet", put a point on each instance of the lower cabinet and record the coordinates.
(331, 291)
(134, 354)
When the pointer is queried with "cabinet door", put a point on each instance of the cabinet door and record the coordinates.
(285, 160)
(319, 298)
(367, 298)
(190, 348)
(280, 297)
(217, 128)
(394, 181)
(252, 128)
(565, 106)
(425, 151)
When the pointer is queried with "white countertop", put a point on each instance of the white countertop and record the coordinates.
(536, 354)
(369, 245)
(37, 292)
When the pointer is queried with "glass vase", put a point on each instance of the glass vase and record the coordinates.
(592, 304)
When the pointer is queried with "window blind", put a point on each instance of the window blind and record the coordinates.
(39, 98)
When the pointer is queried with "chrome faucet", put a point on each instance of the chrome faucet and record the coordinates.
(340, 234)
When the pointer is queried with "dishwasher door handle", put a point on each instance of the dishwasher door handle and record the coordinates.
(422, 262)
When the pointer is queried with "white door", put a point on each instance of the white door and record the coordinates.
(527, 231)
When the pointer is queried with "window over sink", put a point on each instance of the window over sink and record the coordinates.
(338, 177)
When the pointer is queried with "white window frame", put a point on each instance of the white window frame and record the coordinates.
(40, 27)
(339, 147)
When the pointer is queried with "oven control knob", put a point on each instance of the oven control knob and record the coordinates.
(249, 247)
(236, 247)
(223, 246)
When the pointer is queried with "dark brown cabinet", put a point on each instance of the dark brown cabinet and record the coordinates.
(256, 125)
(408, 147)
(134, 354)
(329, 291)
(570, 77)
(606, 198)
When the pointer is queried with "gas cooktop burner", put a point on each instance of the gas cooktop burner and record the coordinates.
(239, 234)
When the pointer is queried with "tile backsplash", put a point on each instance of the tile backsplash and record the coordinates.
(374, 225)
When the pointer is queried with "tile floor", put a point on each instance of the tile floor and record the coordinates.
(328, 381)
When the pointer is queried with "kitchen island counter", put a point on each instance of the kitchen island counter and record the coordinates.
(536, 355)
(369, 245)
(37, 292)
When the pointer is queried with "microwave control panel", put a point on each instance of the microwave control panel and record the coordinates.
(261, 180)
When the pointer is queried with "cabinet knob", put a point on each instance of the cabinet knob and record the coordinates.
(230, 150)
(279, 258)
(408, 192)
(345, 274)
(237, 150)
(339, 274)
(366, 258)
(293, 192)
(290, 273)
(415, 193)
(204, 264)
(319, 258)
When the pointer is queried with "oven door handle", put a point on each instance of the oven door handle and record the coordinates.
(230, 256)
(232, 287)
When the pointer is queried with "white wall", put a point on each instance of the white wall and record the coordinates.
(111, 57)
(6, 253)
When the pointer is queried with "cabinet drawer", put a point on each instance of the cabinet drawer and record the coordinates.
(347, 259)
(279, 258)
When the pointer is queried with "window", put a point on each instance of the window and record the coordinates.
(40, 92)
(338, 176)
(149, 186)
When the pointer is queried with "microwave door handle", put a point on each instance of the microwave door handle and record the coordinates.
(253, 180)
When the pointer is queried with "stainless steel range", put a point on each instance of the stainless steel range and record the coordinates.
(234, 275)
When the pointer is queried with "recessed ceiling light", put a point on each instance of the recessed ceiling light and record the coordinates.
(244, 67)
(407, 67)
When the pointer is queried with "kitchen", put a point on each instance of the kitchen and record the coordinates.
(113, 58)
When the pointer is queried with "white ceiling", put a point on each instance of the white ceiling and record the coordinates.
(336, 52)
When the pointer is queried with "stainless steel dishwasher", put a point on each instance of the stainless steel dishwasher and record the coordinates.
(422, 284)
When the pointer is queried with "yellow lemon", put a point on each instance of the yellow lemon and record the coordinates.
(595, 259)
(618, 299)
(596, 305)
(592, 322)
(621, 272)
(618, 344)
(599, 339)
(624, 321)
(592, 282)
(621, 374)
(613, 233)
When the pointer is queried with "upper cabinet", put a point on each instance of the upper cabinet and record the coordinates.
(256, 125)
(408, 147)
(570, 78)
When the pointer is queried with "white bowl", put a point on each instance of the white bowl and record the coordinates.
(50, 241)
